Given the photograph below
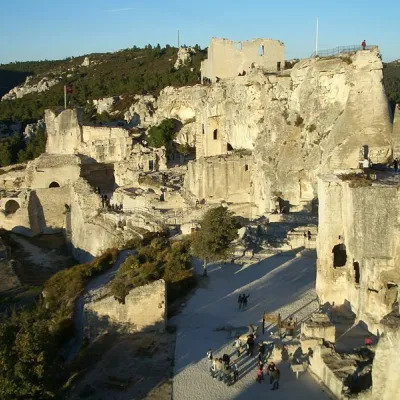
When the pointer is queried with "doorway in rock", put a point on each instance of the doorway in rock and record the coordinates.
(11, 206)
(54, 184)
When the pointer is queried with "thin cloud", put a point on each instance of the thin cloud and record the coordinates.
(121, 9)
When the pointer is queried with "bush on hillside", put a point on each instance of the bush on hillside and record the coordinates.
(162, 134)
(156, 259)
(63, 288)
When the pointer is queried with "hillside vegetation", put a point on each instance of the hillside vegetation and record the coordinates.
(391, 80)
(130, 71)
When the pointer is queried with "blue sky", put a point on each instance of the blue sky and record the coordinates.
(54, 29)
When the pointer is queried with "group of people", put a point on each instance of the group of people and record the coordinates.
(226, 371)
(242, 301)
(222, 368)
(106, 204)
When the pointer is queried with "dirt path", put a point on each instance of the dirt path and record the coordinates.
(92, 290)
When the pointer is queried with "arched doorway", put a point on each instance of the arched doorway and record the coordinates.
(11, 206)
(54, 184)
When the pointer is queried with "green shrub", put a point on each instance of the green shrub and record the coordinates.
(157, 258)
(160, 135)
(311, 128)
(299, 121)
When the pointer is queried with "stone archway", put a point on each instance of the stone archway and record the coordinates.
(11, 206)
(54, 184)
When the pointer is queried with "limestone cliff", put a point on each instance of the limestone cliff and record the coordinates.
(365, 215)
(314, 118)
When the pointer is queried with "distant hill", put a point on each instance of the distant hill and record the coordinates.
(130, 71)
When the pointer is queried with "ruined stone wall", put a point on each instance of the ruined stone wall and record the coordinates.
(47, 211)
(367, 219)
(144, 310)
(106, 144)
(18, 221)
(64, 132)
(91, 234)
(53, 169)
(226, 58)
(220, 178)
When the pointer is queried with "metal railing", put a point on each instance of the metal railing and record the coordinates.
(340, 50)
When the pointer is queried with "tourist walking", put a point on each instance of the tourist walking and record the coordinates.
(261, 352)
(363, 44)
(396, 165)
(240, 301)
(218, 369)
(244, 300)
(235, 372)
(238, 345)
(259, 375)
(210, 360)
(276, 376)
(226, 359)
(250, 345)
(270, 371)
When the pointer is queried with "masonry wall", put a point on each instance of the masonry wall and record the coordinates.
(144, 310)
(227, 58)
(47, 209)
(367, 219)
(64, 132)
(226, 178)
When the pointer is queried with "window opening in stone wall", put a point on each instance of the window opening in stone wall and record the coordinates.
(238, 46)
(246, 167)
(151, 165)
(356, 267)
(202, 129)
(339, 255)
(229, 147)
(278, 66)
(54, 184)
(215, 134)
(261, 50)
(11, 206)
(391, 285)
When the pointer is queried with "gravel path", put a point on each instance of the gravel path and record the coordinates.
(277, 284)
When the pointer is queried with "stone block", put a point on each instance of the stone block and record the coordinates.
(319, 326)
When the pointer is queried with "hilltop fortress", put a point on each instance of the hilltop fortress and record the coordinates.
(257, 136)
(263, 134)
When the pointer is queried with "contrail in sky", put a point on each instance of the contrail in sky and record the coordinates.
(121, 9)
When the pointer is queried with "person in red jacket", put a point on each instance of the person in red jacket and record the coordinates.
(363, 44)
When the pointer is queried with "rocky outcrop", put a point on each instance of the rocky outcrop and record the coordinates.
(86, 62)
(20, 91)
(140, 113)
(358, 249)
(184, 56)
(106, 104)
(385, 382)
(322, 115)
(32, 129)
